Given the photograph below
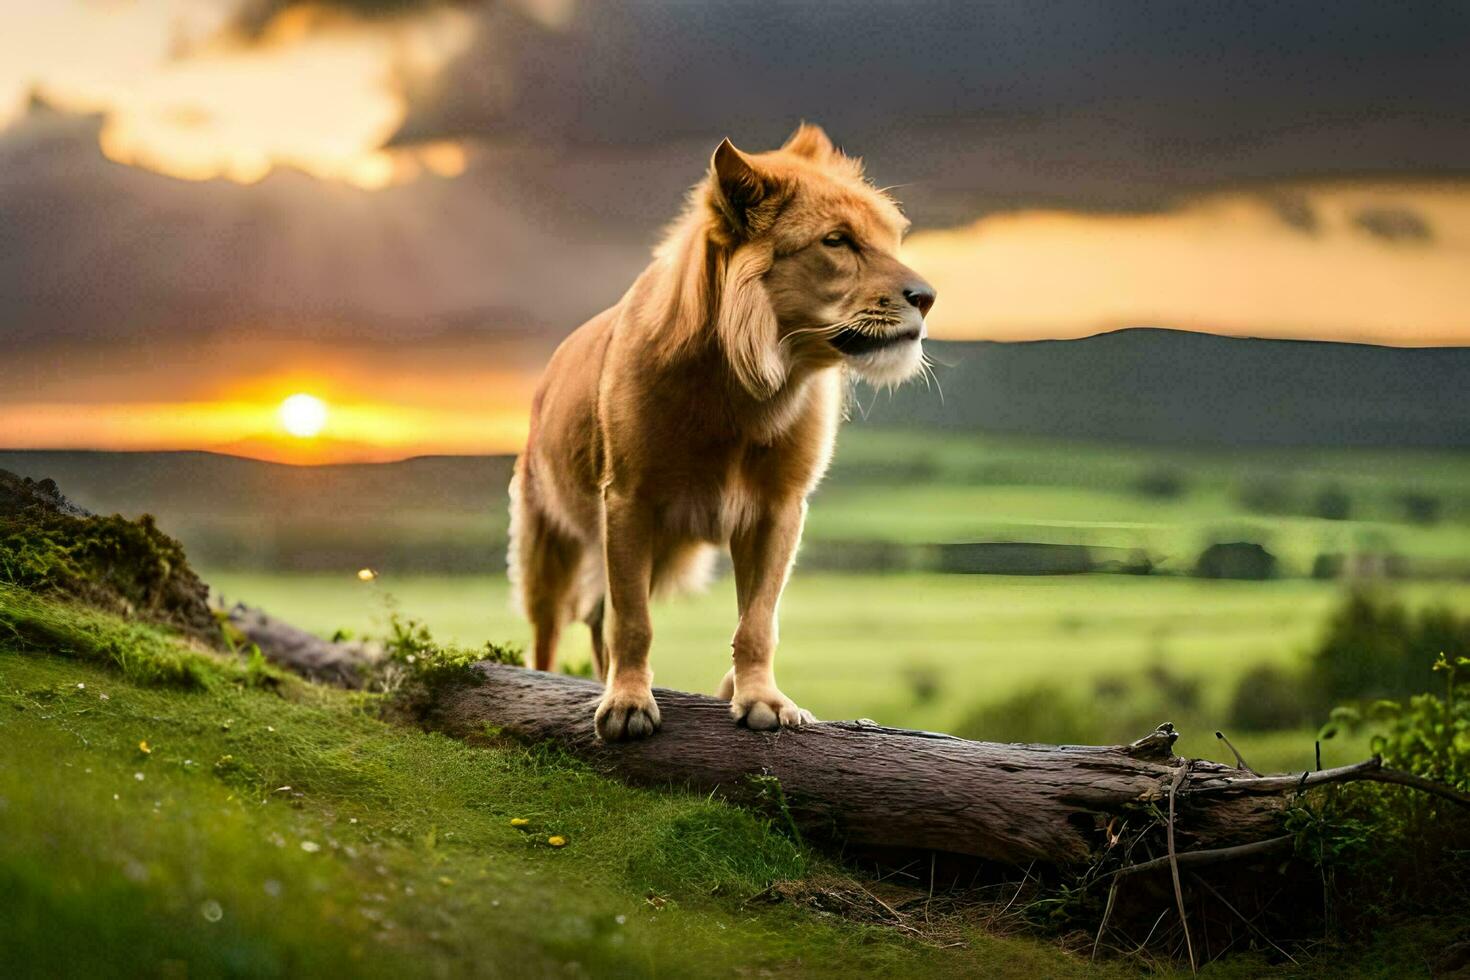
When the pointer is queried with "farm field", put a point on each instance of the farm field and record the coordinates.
(914, 650)
(909, 489)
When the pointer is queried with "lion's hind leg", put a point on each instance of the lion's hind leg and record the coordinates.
(546, 569)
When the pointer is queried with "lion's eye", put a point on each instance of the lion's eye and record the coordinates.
(836, 239)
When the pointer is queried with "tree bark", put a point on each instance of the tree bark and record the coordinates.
(867, 784)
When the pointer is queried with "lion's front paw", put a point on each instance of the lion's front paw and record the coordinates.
(766, 709)
(626, 715)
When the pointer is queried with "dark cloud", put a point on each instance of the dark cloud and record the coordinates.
(1098, 105)
(586, 137)
(93, 249)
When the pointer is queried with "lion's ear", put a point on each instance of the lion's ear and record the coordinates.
(810, 141)
(736, 186)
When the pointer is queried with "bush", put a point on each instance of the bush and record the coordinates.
(1376, 649)
(1236, 560)
(1333, 504)
(1328, 566)
(418, 669)
(1387, 849)
(1420, 508)
(1043, 712)
(1268, 699)
(1161, 484)
(1116, 709)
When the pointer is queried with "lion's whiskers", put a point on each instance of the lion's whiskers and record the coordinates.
(927, 372)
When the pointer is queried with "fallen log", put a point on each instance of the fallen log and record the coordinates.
(348, 664)
(868, 784)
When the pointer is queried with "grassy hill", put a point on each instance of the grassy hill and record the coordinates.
(168, 812)
(220, 828)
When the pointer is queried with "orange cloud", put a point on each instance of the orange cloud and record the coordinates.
(1374, 262)
(183, 95)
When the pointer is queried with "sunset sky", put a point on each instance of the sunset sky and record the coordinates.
(208, 206)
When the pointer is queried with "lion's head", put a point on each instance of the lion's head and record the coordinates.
(800, 258)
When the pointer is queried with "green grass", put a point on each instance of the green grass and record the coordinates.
(228, 828)
(859, 645)
(141, 653)
(263, 835)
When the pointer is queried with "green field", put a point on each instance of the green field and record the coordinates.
(861, 645)
(922, 489)
(202, 864)
(914, 489)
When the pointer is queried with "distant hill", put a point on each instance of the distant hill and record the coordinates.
(430, 513)
(1150, 387)
(199, 485)
(1173, 387)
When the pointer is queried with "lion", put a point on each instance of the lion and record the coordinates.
(701, 411)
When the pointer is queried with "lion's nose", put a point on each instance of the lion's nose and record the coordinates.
(921, 295)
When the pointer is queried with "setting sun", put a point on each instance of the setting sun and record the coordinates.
(303, 415)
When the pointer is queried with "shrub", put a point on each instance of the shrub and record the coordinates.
(1387, 849)
(1116, 709)
(418, 668)
(924, 682)
(1420, 508)
(1332, 503)
(1043, 712)
(1375, 648)
(1328, 565)
(1161, 484)
(1236, 560)
(1267, 699)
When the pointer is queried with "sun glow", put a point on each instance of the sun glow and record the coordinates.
(304, 416)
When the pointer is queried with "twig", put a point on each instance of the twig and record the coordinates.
(1107, 914)
(1214, 855)
(1420, 783)
(1248, 923)
(1240, 762)
(891, 910)
(930, 899)
(1025, 877)
(1174, 865)
(1370, 770)
(1151, 932)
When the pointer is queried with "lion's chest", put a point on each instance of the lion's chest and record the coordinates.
(708, 484)
(736, 487)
